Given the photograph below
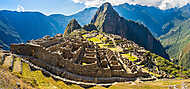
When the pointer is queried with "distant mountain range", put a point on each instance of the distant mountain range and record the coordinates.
(8, 35)
(23, 26)
(158, 21)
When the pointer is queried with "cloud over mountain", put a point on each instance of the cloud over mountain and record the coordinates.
(162, 4)
(20, 8)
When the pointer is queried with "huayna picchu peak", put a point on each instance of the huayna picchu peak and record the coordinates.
(108, 20)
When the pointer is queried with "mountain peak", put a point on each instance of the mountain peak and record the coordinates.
(107, 8)
(73, 21)
(104, 13)
(73, 24)
(106, 5)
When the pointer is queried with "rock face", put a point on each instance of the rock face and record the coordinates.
(108, 20)
(73, 24)
(89, 27)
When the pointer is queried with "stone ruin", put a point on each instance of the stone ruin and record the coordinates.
(78, 59)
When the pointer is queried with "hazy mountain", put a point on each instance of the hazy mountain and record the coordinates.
(82, 17)
(29, 25)
(7, 35)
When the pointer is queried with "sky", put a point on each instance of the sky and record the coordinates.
(66, 7)
(69, 7)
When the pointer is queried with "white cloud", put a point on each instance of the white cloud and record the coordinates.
(20, 8)
(162, 4)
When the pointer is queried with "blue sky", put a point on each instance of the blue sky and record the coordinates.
(69, 7)
(66, 7)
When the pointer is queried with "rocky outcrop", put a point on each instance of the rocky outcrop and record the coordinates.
(108, 20)
(89, 27)
(73, 24)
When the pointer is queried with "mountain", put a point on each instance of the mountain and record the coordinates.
(177, 43)
(108, 20)
(17, 27)
(8, 36)
(29, 25)
(152, 17)
(83, 17)
(158, 21)
(73, 24)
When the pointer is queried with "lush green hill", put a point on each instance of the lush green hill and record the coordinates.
(177, 43)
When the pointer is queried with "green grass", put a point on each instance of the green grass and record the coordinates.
(154, 74)
(38, 80)
(99, 36)
(95, 40)
(84, 36)
(130, 57)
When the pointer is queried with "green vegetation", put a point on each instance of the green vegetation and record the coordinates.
(38, 80)
(154, 74)
(84, 63)
(130, 57)
(171, 68)
(177, 43)
(99, 36)
(103, 45)
(95, 40)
